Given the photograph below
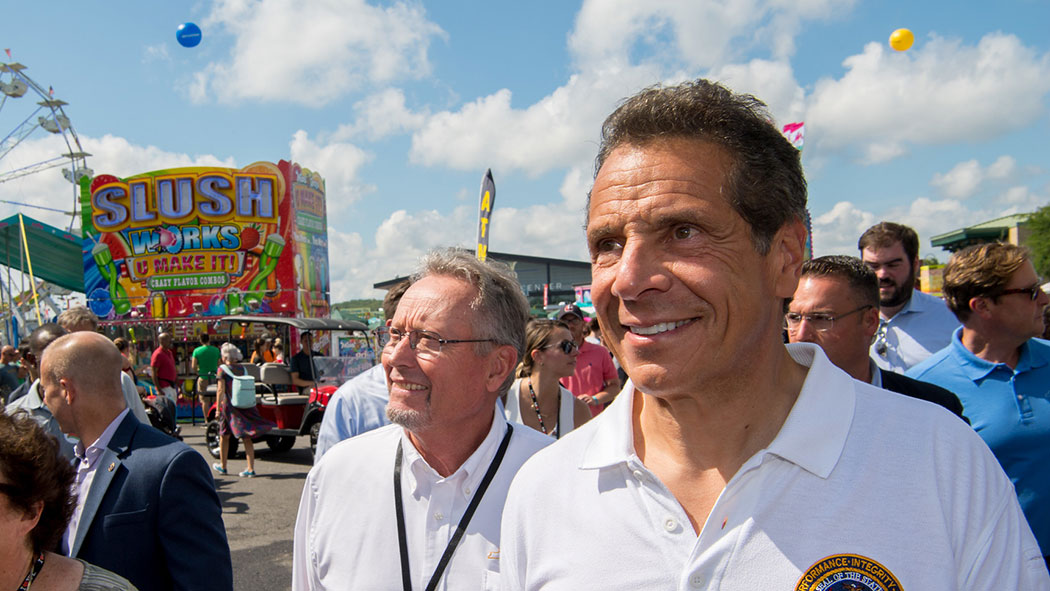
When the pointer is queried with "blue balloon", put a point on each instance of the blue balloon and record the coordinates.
(188, 35)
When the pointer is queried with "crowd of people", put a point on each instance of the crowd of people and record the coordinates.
(747, 419)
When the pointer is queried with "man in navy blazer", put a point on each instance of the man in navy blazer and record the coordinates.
(147, 507)
(836, 307)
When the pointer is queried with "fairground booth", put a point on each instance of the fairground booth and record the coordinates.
(176, 249)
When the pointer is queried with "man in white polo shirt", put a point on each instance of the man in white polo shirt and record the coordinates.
(731, 461)
(417, 504)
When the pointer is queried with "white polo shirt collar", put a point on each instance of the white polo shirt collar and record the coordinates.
(813, 435)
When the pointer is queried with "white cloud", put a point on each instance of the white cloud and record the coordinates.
(966, 178)
(313, 51)
(837, 231)
(380, 115)
(694, 34)
(562, 128)
(339, 164)
(158, 52)
(549, 230)
(961, 181)
(772, 82)
(109, 155)
(940, 92)
(1003, 168)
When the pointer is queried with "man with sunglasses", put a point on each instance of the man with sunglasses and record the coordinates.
(999, 368)
(419, 502)
(595, 380)
(836, 306)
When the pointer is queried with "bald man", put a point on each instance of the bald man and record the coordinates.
(79, 319)
(147, 507)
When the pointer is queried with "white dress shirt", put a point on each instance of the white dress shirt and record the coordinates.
(346, 530)
(856, 484)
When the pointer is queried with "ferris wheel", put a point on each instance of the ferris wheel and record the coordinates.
(28, 111)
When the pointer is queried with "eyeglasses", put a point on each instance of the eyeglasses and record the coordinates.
(424, 342)
(566, 346)
(818, 322)
(1032, 292)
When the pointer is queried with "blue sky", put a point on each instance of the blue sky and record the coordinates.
(402, 106)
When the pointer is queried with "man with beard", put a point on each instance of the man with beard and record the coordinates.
(999, 368)
(421, 499)
(912, 324)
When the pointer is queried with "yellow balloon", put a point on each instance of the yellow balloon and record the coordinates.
(901, 39)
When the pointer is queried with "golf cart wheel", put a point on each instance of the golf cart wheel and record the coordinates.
(315, 431)
(212, 438)
(280, 443)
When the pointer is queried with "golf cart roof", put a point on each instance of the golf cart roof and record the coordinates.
(300, 323)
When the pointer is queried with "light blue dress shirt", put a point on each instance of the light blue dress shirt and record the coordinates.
(356, 407)
(924, 325)
(1010, 409)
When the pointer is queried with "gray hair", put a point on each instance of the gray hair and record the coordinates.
(500, 305)
(765, 185)
(231, 352)
(73, 317)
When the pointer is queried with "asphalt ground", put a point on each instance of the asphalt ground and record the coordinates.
(259, 512)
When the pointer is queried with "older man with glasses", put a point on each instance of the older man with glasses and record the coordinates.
(836, 306)
(999, 368)
(421, 500)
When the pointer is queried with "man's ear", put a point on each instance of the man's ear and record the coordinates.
(69, 391)
(786, 254)
(980, 305)
(501, 362)
(870, 318)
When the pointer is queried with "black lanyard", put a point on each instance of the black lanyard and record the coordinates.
(402, 540)
(34, 570)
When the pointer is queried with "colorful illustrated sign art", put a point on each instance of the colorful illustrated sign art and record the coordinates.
(195, 242)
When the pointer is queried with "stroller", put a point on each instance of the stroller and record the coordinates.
(161, 413)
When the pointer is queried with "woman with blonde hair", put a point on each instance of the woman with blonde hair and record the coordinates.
(536, 399)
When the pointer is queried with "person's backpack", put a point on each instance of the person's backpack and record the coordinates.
(243, 391)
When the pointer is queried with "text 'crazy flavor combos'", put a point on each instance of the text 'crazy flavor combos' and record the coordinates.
(206, 242)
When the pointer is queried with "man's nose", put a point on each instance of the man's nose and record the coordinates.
(639, 269)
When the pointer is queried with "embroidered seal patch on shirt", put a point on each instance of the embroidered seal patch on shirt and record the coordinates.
(847, 572)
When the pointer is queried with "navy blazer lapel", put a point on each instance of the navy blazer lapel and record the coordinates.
(107, 467)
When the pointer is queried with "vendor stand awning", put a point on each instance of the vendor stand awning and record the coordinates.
(55, 254)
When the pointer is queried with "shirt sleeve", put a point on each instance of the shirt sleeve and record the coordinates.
(1005, 555)
(304, 569)
(335, 423)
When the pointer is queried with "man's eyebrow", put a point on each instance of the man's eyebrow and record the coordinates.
(889, 262)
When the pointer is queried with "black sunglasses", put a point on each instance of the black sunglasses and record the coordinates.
(1032, 292)
(566, 346)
